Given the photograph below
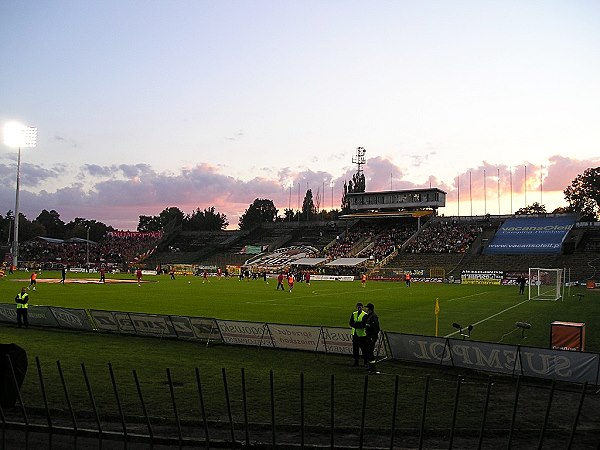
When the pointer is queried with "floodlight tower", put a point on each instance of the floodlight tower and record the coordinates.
(18, 136)
(359, 159)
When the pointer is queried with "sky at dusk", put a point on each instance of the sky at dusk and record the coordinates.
(143, 105)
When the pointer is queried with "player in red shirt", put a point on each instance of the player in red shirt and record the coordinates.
(138, 275)
(280, 281)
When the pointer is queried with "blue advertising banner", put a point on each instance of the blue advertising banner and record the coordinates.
(528, 235)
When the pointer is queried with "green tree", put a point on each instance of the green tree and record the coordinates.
(50, 220)
(6, 224)
(288, 215)
(149, 223)
(169, 216)
(584, 194)
(534, 208)
(309, 211)
(260, 211)
(29, 230)
(78, 228)
(207, 220)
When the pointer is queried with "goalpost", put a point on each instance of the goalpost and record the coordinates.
(545, 284)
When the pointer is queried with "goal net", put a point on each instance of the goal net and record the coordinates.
(545, 284)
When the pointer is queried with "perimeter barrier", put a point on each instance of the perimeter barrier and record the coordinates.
(559, 365)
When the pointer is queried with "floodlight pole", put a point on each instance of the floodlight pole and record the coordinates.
(16, 218)
(87, 251)
(17, 136)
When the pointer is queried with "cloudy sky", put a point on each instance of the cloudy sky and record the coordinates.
(142, 105)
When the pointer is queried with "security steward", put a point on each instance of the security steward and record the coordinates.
(22, 300)
(372, 329)
(359, 335)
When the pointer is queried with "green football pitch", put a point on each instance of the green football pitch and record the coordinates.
(492, 310)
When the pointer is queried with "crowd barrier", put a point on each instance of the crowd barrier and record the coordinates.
(560, 365)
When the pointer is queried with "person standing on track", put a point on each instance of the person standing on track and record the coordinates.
(359, 336)
(280, 282)
(372, 329)
(22, 300)
(32, 281)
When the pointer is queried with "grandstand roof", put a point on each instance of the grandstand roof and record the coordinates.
(347, 262)
(72, 240)
(386, 215)
(309, 261)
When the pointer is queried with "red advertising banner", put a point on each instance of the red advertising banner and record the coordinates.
(135, 234)
(567, 336)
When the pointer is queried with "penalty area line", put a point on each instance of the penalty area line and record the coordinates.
(491, 317)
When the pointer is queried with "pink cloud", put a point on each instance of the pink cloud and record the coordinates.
(118, 195)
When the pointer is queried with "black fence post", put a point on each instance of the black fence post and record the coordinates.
(332, 419)
(302, 410)
(172, 391)
(514, 413)
(228, 402)
(394, 411)
(67, 397)
(545, 425)
(92, 401)
(116, 391)
(272, 387)
(245, 405)
(455, 412)
(202, 408)
(14, 377)
(363, 414)
(422, 426)
(576, 420)
(485, 411)
(43, 389)
(139, 391)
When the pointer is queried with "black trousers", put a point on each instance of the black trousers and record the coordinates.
(358, 346)
(22, 315)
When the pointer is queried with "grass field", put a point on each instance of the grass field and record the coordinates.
(493, 310)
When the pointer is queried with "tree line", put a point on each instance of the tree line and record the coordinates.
(583, 197)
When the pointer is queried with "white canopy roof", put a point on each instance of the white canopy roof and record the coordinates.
(347, 262)
(308, 261)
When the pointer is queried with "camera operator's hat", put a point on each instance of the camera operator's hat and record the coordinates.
(371, 306)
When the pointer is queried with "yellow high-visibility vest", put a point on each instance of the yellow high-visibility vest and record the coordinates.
(357, 318)
(23, 297)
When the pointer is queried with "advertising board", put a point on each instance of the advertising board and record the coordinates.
(526, 235)
(297, 337)
(245, 333)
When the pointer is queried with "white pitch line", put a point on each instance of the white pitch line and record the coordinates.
(468, 296)
(491, 317)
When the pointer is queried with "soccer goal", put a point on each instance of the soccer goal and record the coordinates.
(545, 284)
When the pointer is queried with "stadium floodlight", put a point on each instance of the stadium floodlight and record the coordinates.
(523, 326)
(464, 332)
(18, 136)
